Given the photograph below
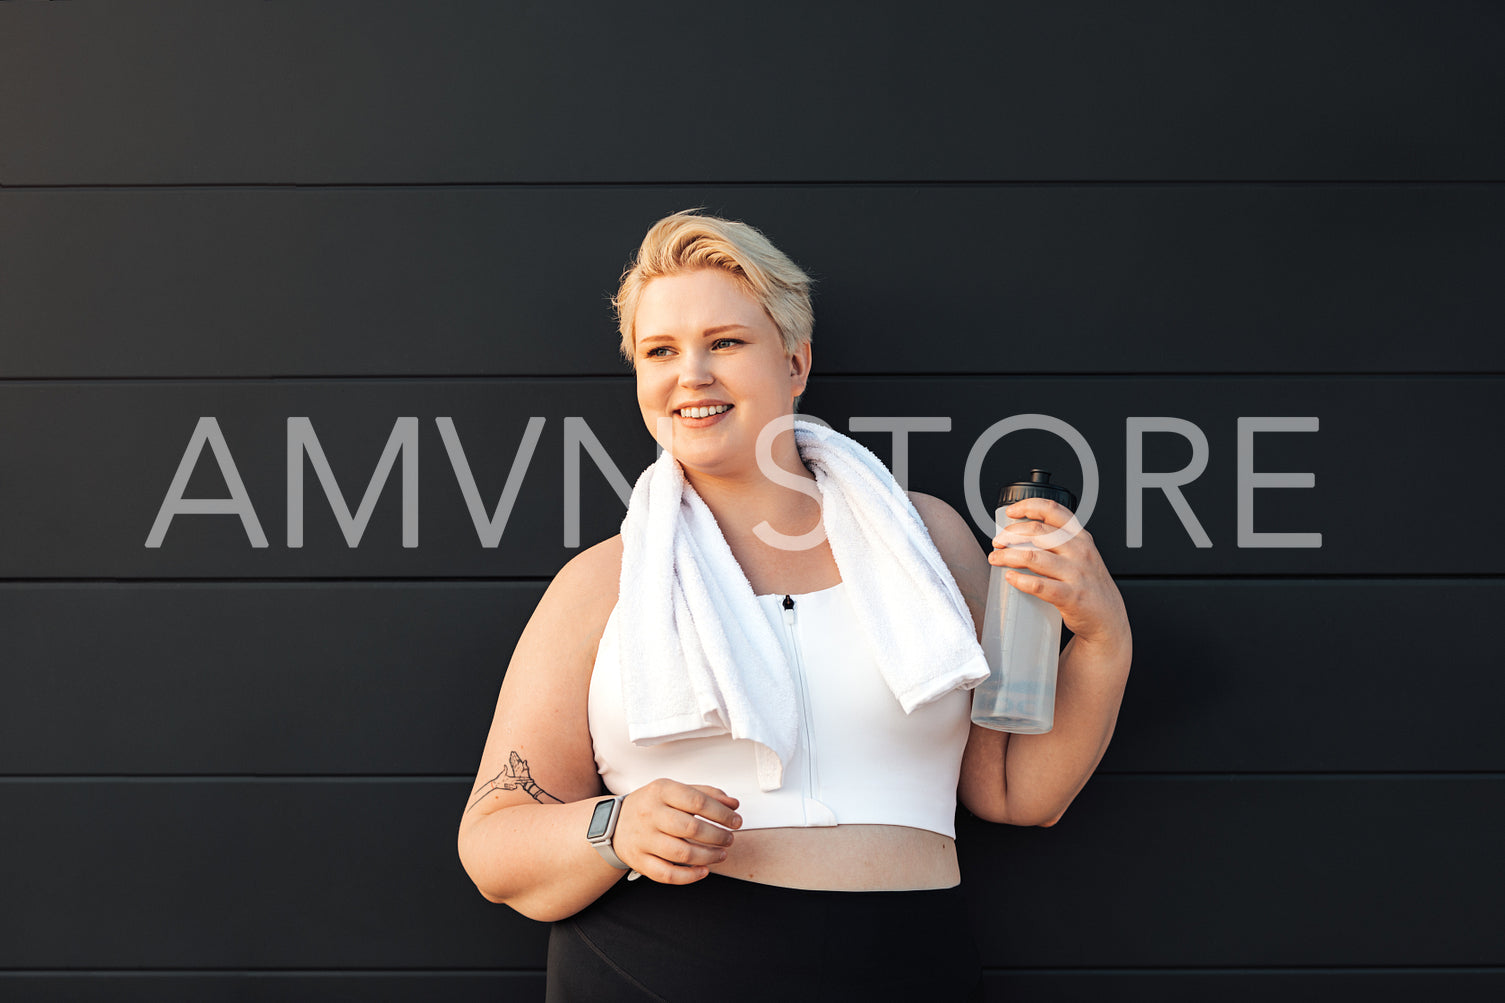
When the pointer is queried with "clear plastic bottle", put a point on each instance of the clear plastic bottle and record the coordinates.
(1021, 636)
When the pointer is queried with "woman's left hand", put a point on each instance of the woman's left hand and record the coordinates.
(1068, 571)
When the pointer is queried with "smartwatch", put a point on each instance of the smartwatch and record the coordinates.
(603, 826)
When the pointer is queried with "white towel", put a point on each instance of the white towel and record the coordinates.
(698, 655)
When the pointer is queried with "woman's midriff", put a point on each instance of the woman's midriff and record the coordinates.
(844, 858)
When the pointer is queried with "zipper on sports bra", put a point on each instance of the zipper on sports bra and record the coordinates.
(811, 789)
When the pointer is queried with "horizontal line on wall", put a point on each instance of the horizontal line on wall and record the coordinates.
(1272, 970)
(268, 973)
(447, 778)
(76, 972)
(767, 183)
(817, 379)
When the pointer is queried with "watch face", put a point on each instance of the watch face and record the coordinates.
(599, 819)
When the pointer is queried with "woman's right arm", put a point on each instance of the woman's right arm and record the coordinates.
(522, 833)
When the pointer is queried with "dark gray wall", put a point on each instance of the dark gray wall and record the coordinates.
(236, 772)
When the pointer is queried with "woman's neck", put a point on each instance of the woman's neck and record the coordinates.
(796, 556)
(751, 497)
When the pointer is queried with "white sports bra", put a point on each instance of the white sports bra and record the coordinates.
(860, 758)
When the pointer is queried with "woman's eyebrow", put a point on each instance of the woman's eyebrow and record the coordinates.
(704, 334)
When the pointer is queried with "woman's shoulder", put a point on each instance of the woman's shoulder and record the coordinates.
(559, 643)
(946, 526)
(586, 587)
(954, 539)
(595, 565)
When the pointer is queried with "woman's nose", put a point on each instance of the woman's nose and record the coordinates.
(694, 370)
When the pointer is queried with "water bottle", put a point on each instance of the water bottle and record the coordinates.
(1021, 635)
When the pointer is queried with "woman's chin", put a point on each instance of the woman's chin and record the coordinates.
(706, 458)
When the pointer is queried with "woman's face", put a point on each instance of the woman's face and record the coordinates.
(710, 360)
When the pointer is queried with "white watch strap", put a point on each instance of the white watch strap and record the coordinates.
(610, 856)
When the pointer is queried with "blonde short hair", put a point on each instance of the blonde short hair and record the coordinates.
(687, 241)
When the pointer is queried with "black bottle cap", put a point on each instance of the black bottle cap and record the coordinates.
(1038, 486)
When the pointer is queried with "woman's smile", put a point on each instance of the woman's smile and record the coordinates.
(701, 414)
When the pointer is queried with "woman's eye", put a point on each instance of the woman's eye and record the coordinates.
(725, 341)
(654, 353)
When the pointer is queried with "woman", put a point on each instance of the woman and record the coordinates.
(843, 875)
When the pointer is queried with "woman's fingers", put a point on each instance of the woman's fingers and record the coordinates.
(699, 813)
(683, 852)
(1039, 573)
(665, 873)
(684, 826)
(678, 861)
(1065, 567)
(1051, 525)
(1043, 535)
(721, 809)
(1041, 510)
(1041, 562)
(1052, 591)
(1069, 574)
(675, 831)
(699, 798)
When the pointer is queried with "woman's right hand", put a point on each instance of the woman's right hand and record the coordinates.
(672, 832)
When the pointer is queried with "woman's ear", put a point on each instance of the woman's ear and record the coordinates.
(799, 368)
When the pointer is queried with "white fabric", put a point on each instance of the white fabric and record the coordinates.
(860, 759)
(699, 659)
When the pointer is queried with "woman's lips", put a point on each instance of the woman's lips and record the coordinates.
(694, 421)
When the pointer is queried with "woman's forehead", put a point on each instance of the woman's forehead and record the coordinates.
(698, 302)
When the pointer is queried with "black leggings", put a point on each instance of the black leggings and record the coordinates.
(727, 939)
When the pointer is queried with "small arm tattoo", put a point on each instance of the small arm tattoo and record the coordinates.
(516, 777)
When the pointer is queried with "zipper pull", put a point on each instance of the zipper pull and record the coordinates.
(788, 605)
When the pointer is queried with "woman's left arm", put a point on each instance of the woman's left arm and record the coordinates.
(1031, 779)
